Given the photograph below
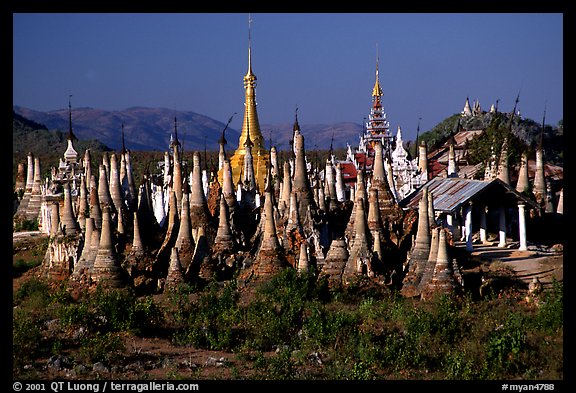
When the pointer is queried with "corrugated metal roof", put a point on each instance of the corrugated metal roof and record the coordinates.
(449, 193)
(452, 192)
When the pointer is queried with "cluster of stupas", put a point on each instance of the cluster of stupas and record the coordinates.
(252, 219)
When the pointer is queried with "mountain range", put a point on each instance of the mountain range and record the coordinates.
(149, 129)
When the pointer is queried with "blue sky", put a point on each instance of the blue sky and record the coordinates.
(324, 63)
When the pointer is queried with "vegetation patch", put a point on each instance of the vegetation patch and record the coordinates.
(292, 328)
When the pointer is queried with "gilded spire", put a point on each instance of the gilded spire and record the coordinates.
(248, 141)
(250, 114)
(249, 73)
(251, 133)
(377, 90)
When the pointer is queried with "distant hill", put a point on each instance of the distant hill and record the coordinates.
(32, 136)
(149, 129)
(316, 136)
(144, 128)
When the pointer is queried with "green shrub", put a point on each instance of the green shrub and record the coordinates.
(21, 266)
(362, 371)
(276, 314)
(277, 367)
(550, 315)
(120, 310)
(458, 365)
(23, 225)
(26, 337)
(213, 319)
(113, 308)
(323, 328)
(73, 315)
(179, 304)
(106, 347)
(506, 342)
(35, 292)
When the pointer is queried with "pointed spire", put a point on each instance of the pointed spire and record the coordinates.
(418, 131)
(539, 188)
(107, 269)
(222, 142)
(94, 244)
(431, 262)
(374, 219)
(293, 223)
(248, 142)
(87, 165)
(560, 206)
(54, 219)
(185, 242)
(197, 197)
(172, 228)
(224, 240)
(296, 125)
(228, 192)
(443, 279)
(286, 188)
(83, 206)
(95, 209)
(201, 266)
(103, 189)
(452, 170)
(177, 177)
(467, 111)
(71, 135)
(176, 142)
(420, 250)
(303, 261)
(377, 90)
(360, 250)
(115, 188)
(21, 178)
(82, 266)
(330, 186)
(70, 155)
(250, 126)
(335, 261)
(522, 183)
(340, 187)
(503, 173)
(270, 258)
(137, 245)
(30, 173)
(123, 151)
(175, 275)
(249, 45)
(68, 217)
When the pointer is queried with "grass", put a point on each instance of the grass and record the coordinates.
(293, 327)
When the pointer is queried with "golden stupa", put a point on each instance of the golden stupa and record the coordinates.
(260, 156)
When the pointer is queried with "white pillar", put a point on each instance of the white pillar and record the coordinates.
(451, 227)
(502, 227)
(522, 227)
(483, 224)
(462, 221)
(468, 224)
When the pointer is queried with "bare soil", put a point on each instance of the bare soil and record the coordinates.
(159, 358)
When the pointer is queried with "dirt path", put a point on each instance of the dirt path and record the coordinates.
(544, 264)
